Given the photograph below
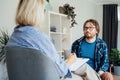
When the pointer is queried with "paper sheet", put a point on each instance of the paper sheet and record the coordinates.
(79, 62)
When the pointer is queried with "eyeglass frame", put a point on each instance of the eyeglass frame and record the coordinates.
(88, 28)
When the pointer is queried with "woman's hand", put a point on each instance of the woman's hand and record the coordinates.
(71, 58)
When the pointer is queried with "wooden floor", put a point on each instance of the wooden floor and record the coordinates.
(116, 77)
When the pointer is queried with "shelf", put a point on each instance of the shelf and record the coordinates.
(59, 14)
(58, 28)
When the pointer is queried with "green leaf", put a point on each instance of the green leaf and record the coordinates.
(4, 37)
(114, 57)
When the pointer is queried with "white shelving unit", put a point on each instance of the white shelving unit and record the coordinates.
(57, 26)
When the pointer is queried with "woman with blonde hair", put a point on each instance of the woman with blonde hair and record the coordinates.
(30, 16)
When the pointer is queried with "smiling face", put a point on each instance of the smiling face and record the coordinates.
(90, 30)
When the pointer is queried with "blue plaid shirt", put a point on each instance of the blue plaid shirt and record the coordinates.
(101, 53)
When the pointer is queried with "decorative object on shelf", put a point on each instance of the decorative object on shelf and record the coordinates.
(53, 41)
(63, 55)
(64, 38)
(64, 30)
(3, 41)
(48, 6)
(53, 29)
(68, 10)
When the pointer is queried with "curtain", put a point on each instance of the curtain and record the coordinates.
(110, 25)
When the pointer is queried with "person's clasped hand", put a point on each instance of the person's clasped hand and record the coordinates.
(107, 76)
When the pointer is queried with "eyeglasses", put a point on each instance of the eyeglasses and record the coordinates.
(90, 28)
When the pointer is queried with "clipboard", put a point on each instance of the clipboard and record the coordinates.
(78, 63)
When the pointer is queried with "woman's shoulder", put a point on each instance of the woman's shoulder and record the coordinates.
(34, 31)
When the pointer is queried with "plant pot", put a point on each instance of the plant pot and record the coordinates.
(3, 71)
(117, 70)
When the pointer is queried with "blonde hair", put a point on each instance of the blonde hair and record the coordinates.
(30, 12)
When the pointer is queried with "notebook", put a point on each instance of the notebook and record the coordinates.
(78, 63)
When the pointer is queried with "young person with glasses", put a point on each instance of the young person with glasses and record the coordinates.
(94, 48)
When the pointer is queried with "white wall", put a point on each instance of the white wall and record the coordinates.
(7, 14)
(84, 9)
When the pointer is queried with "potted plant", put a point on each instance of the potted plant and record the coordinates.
(69, 11)
(3, 41)
(115, 60)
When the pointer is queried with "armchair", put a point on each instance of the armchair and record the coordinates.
(29, 64)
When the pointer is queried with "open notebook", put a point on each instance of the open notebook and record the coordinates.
(78, 63)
